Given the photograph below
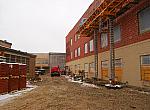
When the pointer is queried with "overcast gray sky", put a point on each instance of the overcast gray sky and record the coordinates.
(39, 25)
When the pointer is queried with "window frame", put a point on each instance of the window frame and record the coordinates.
(141, 57)
(139, 23)
(117, 40)
(91, 45)
(76, 53)
(105, 46)
(79, 51)
(86, 48)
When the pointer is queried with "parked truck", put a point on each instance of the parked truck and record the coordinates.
(55, 71)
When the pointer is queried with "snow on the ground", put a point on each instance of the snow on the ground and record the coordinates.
(142, 92)
(71, 80)
(83, 84)
(89, 85)
(9, 96)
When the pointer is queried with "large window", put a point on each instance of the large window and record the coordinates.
(79, 51)
(117, 33)
(104, 40)
(86, 48)
(91, 45)
(144, 20)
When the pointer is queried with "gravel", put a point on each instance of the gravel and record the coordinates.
(58, 93)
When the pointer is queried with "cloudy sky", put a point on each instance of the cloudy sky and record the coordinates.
(39, 25)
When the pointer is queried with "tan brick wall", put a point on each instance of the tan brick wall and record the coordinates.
(130, 56)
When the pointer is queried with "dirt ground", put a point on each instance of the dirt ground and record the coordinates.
(59, 94)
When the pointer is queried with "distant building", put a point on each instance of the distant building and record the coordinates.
(57, 59)
(17, 56)
(42, 60)
(48, 60)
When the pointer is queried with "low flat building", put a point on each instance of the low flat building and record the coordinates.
(57, 59)
(48, 60)
(42, 60)
(17, 56)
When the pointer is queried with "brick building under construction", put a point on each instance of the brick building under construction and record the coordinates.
(112, 41)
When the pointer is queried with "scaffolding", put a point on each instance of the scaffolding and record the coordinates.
(104, 14)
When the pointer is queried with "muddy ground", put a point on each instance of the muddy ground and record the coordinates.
(59, 94)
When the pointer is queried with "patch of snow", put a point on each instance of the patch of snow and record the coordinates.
(89, 85)
(83, 84)
(10, 96)
(142, 92)
(113, 86)
(71, 80)
(67, 77)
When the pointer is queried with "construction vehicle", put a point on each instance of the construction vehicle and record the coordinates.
(55, 71)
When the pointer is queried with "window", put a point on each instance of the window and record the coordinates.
(92, 69)
(78, 37)
(71, 42)
(104, 40)
(92, 65)
(86, 69)
(83, 20)
(86, 48)
(75, 38)
(118, 62)
(104, 64)
(91, 45)
(144, 17)
(146, 60)
(71, 55)
(78, 67)
(79, 51)
(117, 33)
(76, 52)
(145, 68)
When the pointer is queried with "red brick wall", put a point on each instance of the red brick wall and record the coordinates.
(129, 25)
